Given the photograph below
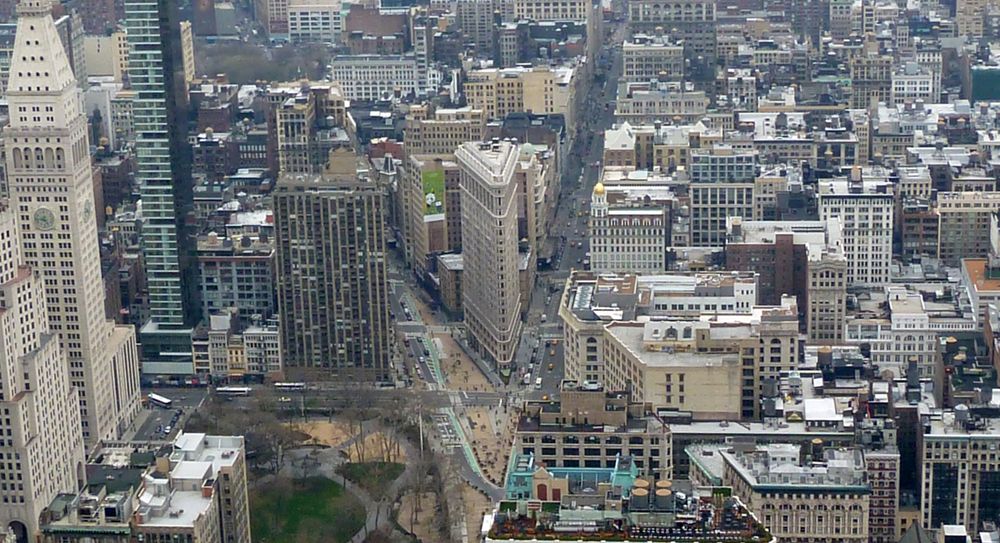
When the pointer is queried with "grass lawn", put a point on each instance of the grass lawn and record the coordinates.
(314, 509)
(367, 475)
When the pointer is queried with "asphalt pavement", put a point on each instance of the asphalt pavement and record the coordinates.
(156, 420)
(537, 352)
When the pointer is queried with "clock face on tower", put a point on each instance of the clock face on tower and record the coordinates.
(44, 219)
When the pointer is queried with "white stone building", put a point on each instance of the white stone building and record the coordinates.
(866, 210)
(58, 229)
(629, 229)
(649, 102)
(314, 21)
(912, 82)
(646, 58)
(370, 77)
(897, 334)
(41, 422)
(490, 282)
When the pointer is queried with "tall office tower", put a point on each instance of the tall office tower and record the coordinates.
(163, 171)
(491, 295)
(423, 26)
(304, 123)
(52, 189)
(333, 291)
(41, 425)
(70, 30)
(430, 209)
(98, 15)
(187, 52)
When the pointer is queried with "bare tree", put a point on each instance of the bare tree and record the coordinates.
(419, 485)
(359, 408)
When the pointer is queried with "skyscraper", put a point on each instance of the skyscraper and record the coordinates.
(491, 289)
(333, 292)
(163, 171)
(52, 191)
(40, 424)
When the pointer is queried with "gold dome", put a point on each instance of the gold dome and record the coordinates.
(599, 188)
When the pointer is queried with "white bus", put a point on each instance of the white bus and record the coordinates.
(232, 391)
(290, 386)
(159, 401)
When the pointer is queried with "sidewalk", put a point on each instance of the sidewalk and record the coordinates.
(486, 370)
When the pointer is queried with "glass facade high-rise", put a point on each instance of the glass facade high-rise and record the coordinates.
(163, 173)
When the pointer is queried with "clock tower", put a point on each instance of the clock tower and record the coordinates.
(52, 193)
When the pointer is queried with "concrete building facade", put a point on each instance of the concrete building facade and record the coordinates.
(491, 291)
(800, 258)
(959, 469)
(41, 417)
(798, 501)
(589, 426)
(58, 228)
(369, 78)
(591, 300)
(197, 493)
(539, 90)
(712, 366)
(866, 209)
(964, 224)
(693, 22)
(631, 233)
(314, 21)
(331, 276)
(648, 58)
(237, 273)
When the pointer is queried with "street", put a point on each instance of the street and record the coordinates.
(156, 420)
(438, 367)
(569, 230)
(540, 351)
